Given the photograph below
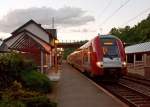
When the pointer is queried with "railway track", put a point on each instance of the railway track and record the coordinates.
(133, 91)
(140, 79)
(131, 97)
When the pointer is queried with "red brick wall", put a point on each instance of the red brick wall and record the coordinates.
(35, 57)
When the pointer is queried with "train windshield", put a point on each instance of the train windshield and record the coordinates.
(110, 48)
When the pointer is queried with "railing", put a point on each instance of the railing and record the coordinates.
(138, 65)
(72, 41)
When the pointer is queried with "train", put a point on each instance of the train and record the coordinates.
(102, 57)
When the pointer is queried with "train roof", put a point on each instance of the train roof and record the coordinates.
(101, 37)
(108, 36)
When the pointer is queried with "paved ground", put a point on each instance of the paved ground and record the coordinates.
(76, 91)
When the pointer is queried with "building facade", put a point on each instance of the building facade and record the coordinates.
(34, 43)
(138, 58)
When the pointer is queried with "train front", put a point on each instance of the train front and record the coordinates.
(112, 63)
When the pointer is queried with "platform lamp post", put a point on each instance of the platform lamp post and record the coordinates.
(56, 60)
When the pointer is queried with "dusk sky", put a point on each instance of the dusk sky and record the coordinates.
(74, 19)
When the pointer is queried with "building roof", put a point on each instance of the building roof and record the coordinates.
(19, 43)
(4, 48)
(0, 42)
(25, 31)
(138, 48)
(51, 32)
(24, 42)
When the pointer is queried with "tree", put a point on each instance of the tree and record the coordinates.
(137, 34)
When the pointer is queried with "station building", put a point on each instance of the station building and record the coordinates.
(34, 43)
(138, 58)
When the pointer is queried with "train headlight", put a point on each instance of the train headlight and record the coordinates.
(99, 64)
(124, 64)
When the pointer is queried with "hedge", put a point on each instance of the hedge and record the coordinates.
(36, 81)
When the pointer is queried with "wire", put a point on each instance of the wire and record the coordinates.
(106, 7)
(144, 11)
(114, 12)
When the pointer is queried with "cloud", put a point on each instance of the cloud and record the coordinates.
(82, 30)
(64, 17)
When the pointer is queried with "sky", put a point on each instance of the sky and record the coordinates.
(74, 19)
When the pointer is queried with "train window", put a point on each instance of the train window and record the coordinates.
(109, 47)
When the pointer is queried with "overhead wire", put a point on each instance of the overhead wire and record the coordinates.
(110, 16)
(106, 7)
(104, 10)
(144, 11)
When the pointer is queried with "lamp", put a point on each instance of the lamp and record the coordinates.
(56, 41)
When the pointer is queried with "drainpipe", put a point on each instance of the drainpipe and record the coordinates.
(42, 61)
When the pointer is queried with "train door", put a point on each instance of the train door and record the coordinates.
(90, 50)
(86, 59)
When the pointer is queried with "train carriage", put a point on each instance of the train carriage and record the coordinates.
(103, 56)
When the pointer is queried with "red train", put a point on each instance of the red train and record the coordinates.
(103, 56)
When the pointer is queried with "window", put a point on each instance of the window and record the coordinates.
(130, 58)
(109, 47)
(138, 57)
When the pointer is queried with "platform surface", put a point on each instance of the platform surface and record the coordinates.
(74, 90)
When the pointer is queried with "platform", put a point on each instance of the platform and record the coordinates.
(74, 90)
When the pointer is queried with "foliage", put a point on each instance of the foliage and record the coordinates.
(13, 67)
(40, 101)
(11, 64)
(11, 103)
(137, 34)
(16, 92)
(36, 81)
(16, 96)
(67, 51)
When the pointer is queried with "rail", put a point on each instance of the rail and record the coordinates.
(134, 91)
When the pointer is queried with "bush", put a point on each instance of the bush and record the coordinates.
(16, 96)
(11, 64)
(11, 103)
(40, 101)
(16, 92)
(36, 81)
(13, 67)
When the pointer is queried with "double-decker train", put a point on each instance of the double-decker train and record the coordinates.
(103, 56)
